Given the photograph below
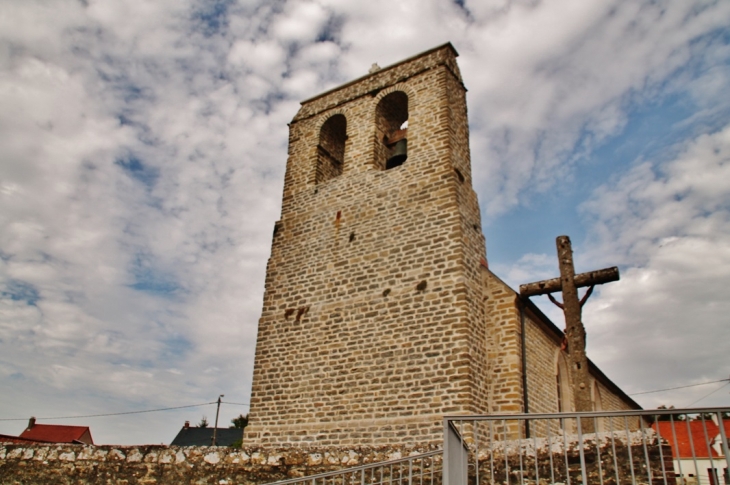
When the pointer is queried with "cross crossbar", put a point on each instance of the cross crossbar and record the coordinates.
(553, 285)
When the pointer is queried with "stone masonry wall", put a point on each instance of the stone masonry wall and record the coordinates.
(473, 248)
(541, 368)
(503, 326)
(444, 55)
(373, 323)
(132, 465)
(542, 347)
(541, 352)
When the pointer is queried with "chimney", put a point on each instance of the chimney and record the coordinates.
(187, 425)
(31, 422)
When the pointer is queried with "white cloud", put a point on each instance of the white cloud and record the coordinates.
(685, 197)
(537, 98)
(264, 58)
(301, 21)
(669, 226)
(92, 206)
(143, 147)
(535, 266)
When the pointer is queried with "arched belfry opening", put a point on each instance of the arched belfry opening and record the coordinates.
(331, 148)
(562, 376)
(597, 404)
(391, 130)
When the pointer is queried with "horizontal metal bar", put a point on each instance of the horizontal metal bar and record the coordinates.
(591, 414)
(361, 467)
(649, 453)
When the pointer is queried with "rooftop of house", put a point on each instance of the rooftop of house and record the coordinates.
(193, 436)
(694, 437)
(4, 438)
(57, 433)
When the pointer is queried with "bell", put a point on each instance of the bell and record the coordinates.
(400, 153)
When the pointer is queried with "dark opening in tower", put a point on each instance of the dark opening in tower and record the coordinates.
(331, 148)
(391, 125)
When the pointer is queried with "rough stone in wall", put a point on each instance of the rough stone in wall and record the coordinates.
(621, 460)
(132, 465)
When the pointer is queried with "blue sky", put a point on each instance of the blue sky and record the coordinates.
(142, 154)
(650, 133)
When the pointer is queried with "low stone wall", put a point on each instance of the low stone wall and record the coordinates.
(624, 460)
(528, 462)
(87, 465)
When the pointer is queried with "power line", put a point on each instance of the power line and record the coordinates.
(679, 387)
(710, 394)
(115, 414)
(236, 403)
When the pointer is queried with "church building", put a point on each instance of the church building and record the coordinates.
(380, 314)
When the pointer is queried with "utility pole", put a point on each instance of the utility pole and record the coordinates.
(215, 428)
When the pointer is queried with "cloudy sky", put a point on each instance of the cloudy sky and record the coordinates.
(142, 154)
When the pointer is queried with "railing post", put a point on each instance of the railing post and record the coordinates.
(500, 449)
(584, 476)
(721, 425)
(455, 459)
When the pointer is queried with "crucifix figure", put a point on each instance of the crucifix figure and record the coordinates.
(575, 334)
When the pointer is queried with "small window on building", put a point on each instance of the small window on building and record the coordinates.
(712, 475)
(331, 148)
(391, 129)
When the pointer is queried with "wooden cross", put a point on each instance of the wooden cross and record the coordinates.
(575, 333)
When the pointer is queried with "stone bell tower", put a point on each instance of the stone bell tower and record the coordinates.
(373, 318)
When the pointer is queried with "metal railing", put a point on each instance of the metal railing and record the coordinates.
(655, 447)
(422, 469)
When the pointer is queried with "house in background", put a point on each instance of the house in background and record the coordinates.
(56, 433)
(697, 449)
(194, 436)
(4, 438)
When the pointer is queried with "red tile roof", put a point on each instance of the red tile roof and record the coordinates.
(56, 433)
(692, 434)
